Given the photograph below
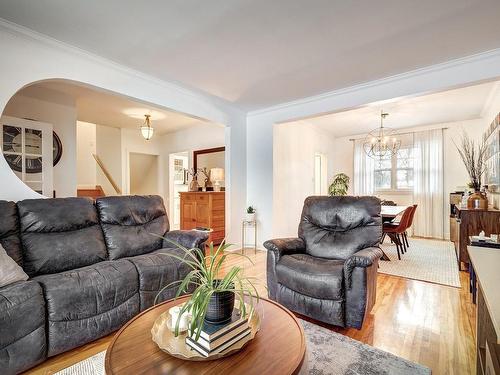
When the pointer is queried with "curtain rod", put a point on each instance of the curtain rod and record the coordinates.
(355, 139)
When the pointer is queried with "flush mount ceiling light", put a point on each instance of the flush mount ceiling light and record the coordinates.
(381, 142)
(146, 129)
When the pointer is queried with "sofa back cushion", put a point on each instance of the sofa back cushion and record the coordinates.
(60, 234)
(132, 224)
(9, 231)
(337, 227)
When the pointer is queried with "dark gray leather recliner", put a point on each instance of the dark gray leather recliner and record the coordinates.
(92, 267)
(329, 273)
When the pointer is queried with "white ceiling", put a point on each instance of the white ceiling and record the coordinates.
(454, 105)
(104, 108)
(257, 53)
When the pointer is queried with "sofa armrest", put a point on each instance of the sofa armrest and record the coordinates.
(363, 258)
(282, 246)
(360, 280)
(188, 238)
(277, 248)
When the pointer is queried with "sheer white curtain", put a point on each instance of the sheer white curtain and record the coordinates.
(364, 167)
(428, 183)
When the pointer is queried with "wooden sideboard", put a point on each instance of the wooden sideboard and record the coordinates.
(485, 262)
(204, 209)
(470, 222)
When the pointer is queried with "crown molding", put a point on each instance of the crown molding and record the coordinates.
(18, 30)
(482, 56)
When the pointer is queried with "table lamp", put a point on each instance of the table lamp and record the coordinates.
(217, 175)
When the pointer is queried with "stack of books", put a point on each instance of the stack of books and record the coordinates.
(215, 338)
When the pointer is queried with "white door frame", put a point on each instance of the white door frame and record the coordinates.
(159, 168)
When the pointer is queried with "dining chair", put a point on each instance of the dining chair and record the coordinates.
(395, 231)
(410, 223)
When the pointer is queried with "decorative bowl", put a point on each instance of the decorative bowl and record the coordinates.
(177, 347)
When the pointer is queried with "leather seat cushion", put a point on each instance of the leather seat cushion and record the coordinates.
(311, 276)
(22, 326)
(132, 224)
(60, 234)
(156, 270)
(90, 302)
(323, 310)
(9, 231)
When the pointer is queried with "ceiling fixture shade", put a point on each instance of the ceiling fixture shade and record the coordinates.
(381, 142)
(147, 130)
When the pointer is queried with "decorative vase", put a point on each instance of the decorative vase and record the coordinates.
(250, 217)
(220, 307)
(193, 186)
(477, 200)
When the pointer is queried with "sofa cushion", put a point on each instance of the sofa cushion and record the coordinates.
(22, 326)
(10, 271)
(157, 270)
(314, 277)
(9, 231)
(87, 303)
(337, 227)
(132, 224)
(60, 234)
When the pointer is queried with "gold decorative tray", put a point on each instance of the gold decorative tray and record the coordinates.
(177, 347)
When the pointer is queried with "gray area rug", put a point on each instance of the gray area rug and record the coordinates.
(328, 353)
(426, 260)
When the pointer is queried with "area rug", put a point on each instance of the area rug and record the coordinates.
(328, 353)
(427, 260)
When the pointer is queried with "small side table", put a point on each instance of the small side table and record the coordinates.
(248, 224)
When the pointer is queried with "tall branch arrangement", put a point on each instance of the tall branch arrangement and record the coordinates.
(473, 157)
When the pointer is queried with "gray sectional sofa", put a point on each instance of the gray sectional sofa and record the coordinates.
(92, 267)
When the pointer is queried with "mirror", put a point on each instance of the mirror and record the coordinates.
(209, 158)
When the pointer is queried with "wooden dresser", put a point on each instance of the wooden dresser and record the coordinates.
(470, 222)
(485, 262)
(204, 209)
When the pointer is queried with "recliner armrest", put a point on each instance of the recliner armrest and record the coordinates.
(282, 246)
(363, 258)
(187, 238)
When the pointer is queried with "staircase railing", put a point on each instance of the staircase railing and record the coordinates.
(107, 174)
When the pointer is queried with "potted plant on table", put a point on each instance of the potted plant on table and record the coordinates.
(213, 297)
(473, 157)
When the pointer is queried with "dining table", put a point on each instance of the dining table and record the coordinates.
(388, 213)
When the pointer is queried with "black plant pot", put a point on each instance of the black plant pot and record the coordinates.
(220, 307)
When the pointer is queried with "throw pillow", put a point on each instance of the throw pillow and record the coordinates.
(10, 271)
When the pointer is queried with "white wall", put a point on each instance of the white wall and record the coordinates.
(294, 148)
(109, 151)
(144, 177)
(30, 57)
(260, 123)
(85, 148)
(62, 116)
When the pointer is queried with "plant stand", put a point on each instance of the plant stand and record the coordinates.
(248, 224)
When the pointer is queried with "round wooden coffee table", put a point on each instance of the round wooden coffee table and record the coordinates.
(278, 348)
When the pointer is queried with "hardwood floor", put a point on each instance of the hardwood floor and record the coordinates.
(426, 323)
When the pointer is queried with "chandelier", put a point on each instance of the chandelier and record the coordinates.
(146, 129)
(381, 142)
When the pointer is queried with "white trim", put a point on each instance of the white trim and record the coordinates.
(495, 53)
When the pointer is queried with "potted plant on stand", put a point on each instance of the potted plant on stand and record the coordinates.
(213, 297)
(473, 157)
(250, 216)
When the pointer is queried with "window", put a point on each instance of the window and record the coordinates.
(395, 172)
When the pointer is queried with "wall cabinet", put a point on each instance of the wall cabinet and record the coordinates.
(204, 209)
